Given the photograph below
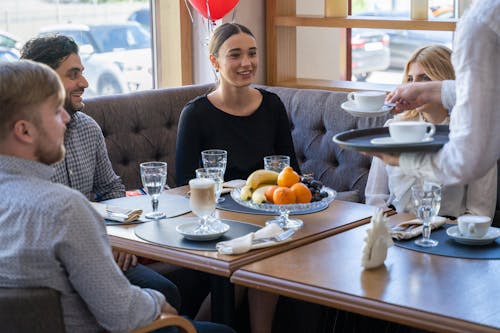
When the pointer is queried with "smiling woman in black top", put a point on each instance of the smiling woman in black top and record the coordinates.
(249, 123)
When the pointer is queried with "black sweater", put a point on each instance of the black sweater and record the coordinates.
(247, 139)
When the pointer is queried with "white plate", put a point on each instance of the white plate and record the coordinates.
(387, 140)
(187, 230)
(351, 108)
(492, 234)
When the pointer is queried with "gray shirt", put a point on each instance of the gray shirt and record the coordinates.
(87, 167)
(51, 237)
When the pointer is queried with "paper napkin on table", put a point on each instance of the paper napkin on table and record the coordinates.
(228, 186)
(116, 213)
(245, 243)
(413, 228)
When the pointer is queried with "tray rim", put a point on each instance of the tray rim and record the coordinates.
(432, 146)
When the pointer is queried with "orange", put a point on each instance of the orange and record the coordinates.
(283, 196)
(302, 192)
(287, 177)
(270, 192)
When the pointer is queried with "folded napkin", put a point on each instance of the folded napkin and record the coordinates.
(413, 228)
(116, 213)
(251, 241)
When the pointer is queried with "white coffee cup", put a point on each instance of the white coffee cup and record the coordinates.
(474, 225)
(367, 100)
(411, 131)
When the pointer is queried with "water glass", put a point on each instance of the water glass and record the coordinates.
(154, 177)
(202, 202)
(215, 158)
(276, 162)
(217, 174)
(427, 201)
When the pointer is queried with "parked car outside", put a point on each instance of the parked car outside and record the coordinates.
(9, 40)
(116, 56)
(143, 17)
(8, 54)
(370, 52)
(404, 42)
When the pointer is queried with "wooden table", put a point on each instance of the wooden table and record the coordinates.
(339, 216)
(431, 292)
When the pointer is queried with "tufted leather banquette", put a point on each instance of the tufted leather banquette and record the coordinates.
(142, 126)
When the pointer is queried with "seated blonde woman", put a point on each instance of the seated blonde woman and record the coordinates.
(387, 186)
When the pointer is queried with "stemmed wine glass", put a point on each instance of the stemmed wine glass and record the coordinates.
(202, 203)
(154, 177)
(427, 201)
(215, 158)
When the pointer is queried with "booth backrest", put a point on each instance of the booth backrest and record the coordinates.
(142, 126)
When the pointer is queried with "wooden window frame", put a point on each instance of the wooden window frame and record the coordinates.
(172, 43)
(281, 24)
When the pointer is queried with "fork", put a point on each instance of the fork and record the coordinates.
(276, 238)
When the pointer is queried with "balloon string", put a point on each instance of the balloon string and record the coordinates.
(209, 17)
(233, 19)
(189, 11)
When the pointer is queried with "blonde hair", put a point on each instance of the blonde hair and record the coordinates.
(435, 60)
(24, 85)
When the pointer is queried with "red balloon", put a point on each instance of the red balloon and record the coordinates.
(217, 9)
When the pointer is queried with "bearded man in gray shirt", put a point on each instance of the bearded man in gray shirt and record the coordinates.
(46, 235)
(51, 236)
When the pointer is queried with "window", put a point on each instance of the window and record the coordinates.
(113, 36)
(379, 55)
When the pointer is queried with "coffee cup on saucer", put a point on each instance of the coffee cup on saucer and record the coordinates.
(411, 131)
(367, 100)
(474, 226)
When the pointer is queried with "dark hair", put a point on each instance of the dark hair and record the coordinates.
(222, 33)
(51, 50)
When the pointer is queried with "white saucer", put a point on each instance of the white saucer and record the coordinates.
(387, 140)
(351, 108)
(492, 234)
(187, 230)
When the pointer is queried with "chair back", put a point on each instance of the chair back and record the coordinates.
(38, 310)
(30, 310)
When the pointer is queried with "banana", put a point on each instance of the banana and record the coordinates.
(260, 177)
(259, 195)
(246, 193)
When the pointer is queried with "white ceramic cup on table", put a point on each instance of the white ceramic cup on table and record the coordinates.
(367, 100)
(473, 225)
(411, 131)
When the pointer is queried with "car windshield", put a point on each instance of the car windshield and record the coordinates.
(111, 38)
(7, 56)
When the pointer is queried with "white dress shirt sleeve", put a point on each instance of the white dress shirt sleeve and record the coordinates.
(474, 145)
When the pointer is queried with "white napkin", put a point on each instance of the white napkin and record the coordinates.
(377, 241)
(228, 186)
(244, 243)
(116, 213)
(413, 228)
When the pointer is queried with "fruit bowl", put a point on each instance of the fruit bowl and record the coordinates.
(284, 210)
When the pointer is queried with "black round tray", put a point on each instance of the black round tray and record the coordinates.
(360, 140)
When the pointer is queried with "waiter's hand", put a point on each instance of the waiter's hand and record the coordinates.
(389, 159)
(410, 96)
